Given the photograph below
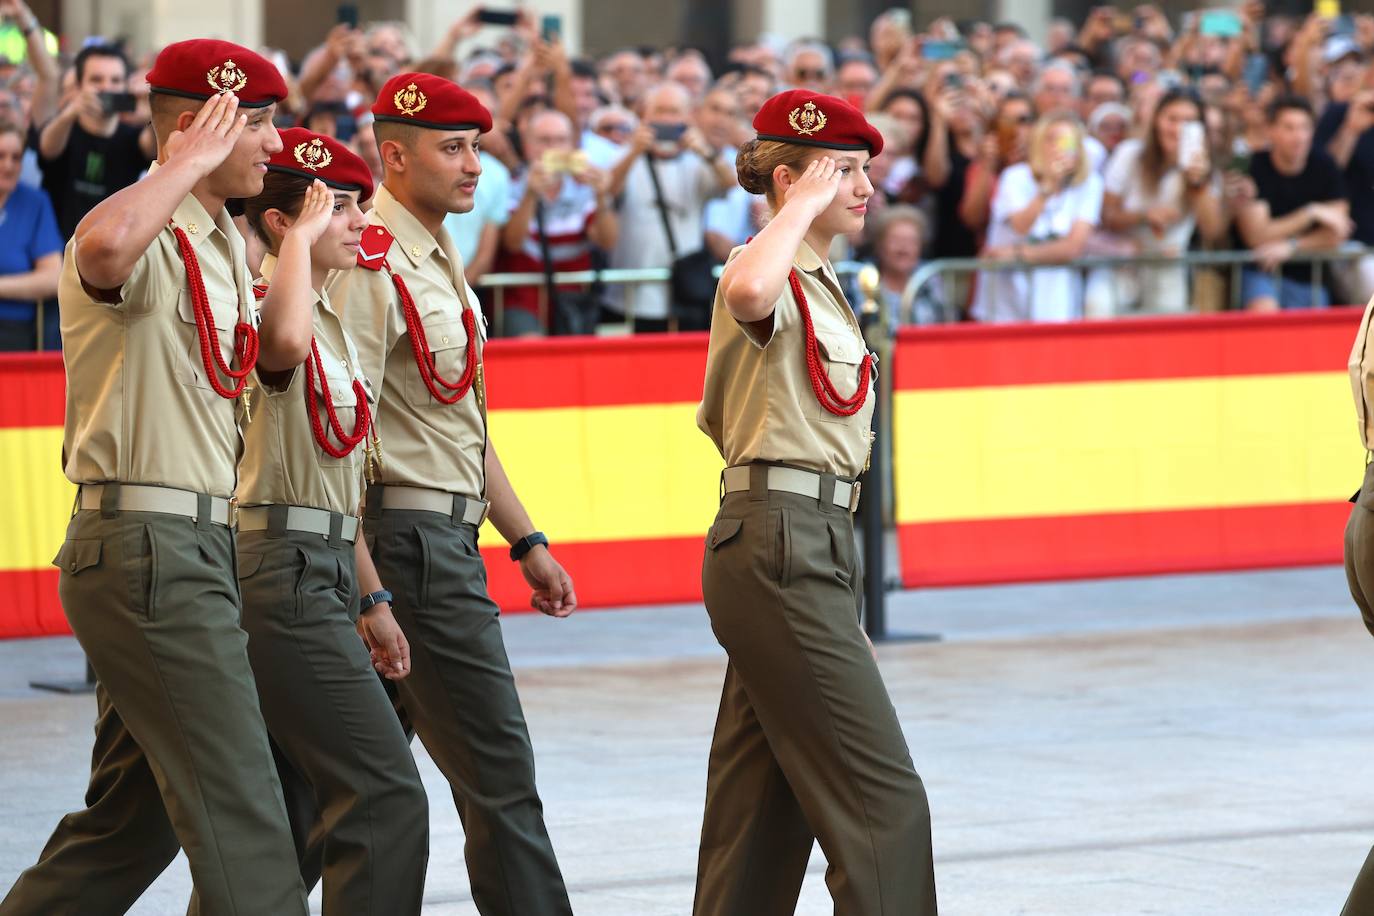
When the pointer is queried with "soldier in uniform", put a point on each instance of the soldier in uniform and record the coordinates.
(807, 745)
(420, 333)
(1359, 548)
(302, 564)
(158, 342)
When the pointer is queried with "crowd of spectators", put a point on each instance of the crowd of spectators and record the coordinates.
(1124, 136)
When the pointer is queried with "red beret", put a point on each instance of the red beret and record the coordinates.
(205, 67)
(426, 100)
(313, 155)
(811, 119)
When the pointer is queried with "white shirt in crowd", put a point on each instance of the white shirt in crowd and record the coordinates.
(1042, 293)
(688, 182)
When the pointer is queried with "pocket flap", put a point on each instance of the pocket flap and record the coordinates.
(248, 564)
(723, 530)
(841, 348)
(76, 555)
(223, 314)
(445, 335)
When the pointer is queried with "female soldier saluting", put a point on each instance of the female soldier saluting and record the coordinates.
(807, 744)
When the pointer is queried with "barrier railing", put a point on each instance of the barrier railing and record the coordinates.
(498, 283)
(925, 275)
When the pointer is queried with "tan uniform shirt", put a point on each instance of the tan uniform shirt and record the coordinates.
(140, 408)
(282, 463)
(758, 404)
(1362, 377)
(425, 443)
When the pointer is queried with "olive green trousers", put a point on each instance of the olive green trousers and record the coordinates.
(1359, 572)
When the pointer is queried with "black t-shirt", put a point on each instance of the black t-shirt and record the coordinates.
(89, 170)
(1318, 182)
(953, 239)
(1359, 173)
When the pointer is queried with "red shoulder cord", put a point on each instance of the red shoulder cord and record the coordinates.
(825, 391)
(245, 337)
(362, 418)
(424, 359)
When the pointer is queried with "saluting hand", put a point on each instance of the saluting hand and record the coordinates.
(211, 136)
(816, 188)
(553, 589)
(384, 639)
(316, 211)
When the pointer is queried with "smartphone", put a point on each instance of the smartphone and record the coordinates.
(348, 15)
(1220, 24)
(669, 133)
(1240, 162)
(1192, 140)
(551, 28)
(1256, 73)
(554, 161)
(941, 50)
(496, 17)
(117, 102)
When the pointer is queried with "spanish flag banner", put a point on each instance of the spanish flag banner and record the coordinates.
(1130, 447)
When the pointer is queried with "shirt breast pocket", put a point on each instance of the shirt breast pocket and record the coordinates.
(841, 355)
(190, 367)
(448, 350)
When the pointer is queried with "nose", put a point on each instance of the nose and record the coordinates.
(273, 144)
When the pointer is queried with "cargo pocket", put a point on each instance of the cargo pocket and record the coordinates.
(448, 347)
(77, 555)
(190, 369)
(842, 353)
(722, 532)
(249, 564)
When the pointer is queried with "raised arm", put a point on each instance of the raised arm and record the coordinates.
(288, 319)
(115, 234)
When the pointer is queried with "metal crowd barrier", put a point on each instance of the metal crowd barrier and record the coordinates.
(926, 275)
(498, 283)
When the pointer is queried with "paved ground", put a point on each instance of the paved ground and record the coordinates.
(1189, 745)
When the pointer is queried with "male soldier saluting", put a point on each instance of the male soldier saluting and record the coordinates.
(419, 336)
(155, 301)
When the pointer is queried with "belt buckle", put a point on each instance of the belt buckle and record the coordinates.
(854, 489)
(486, 510)
(233, 520)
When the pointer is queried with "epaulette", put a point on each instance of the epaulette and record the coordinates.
(374, 245)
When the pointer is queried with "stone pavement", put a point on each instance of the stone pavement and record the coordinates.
(1180, 745)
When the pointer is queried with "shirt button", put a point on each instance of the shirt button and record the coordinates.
(344, 363)
(445, 340)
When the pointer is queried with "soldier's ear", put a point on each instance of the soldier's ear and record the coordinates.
(782, 179)
(184, 119)
(393, 155)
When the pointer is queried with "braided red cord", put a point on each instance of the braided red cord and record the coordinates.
(245, 337)
(424, 359)
(824, 389)
(362, 417)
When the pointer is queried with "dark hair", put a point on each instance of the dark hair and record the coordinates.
(1009, 27)
(1289, 102)
(756, 160)
(280, 191)
(1152, 156)
(901, 92)
(1102, 73)
(98, 50)
(583, 68)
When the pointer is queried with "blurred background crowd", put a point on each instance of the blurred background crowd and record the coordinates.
(1156, 144)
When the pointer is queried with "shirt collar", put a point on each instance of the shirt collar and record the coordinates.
(808, 260)
(413, 239)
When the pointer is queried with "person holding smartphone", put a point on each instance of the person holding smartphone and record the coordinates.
(1158, 190)
(87, 152)
(1042, 214)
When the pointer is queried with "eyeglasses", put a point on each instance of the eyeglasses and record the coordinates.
(810, 74)
(1021, 119)
(613, 128)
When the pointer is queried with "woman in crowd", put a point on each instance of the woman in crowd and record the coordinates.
(1044, 210)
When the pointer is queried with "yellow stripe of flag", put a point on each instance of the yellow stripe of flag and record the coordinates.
(1134, 446)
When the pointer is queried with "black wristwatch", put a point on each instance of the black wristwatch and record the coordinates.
(526, 544)
(375, 598)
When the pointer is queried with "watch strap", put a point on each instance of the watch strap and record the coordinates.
(526, 544)
(375, 598)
